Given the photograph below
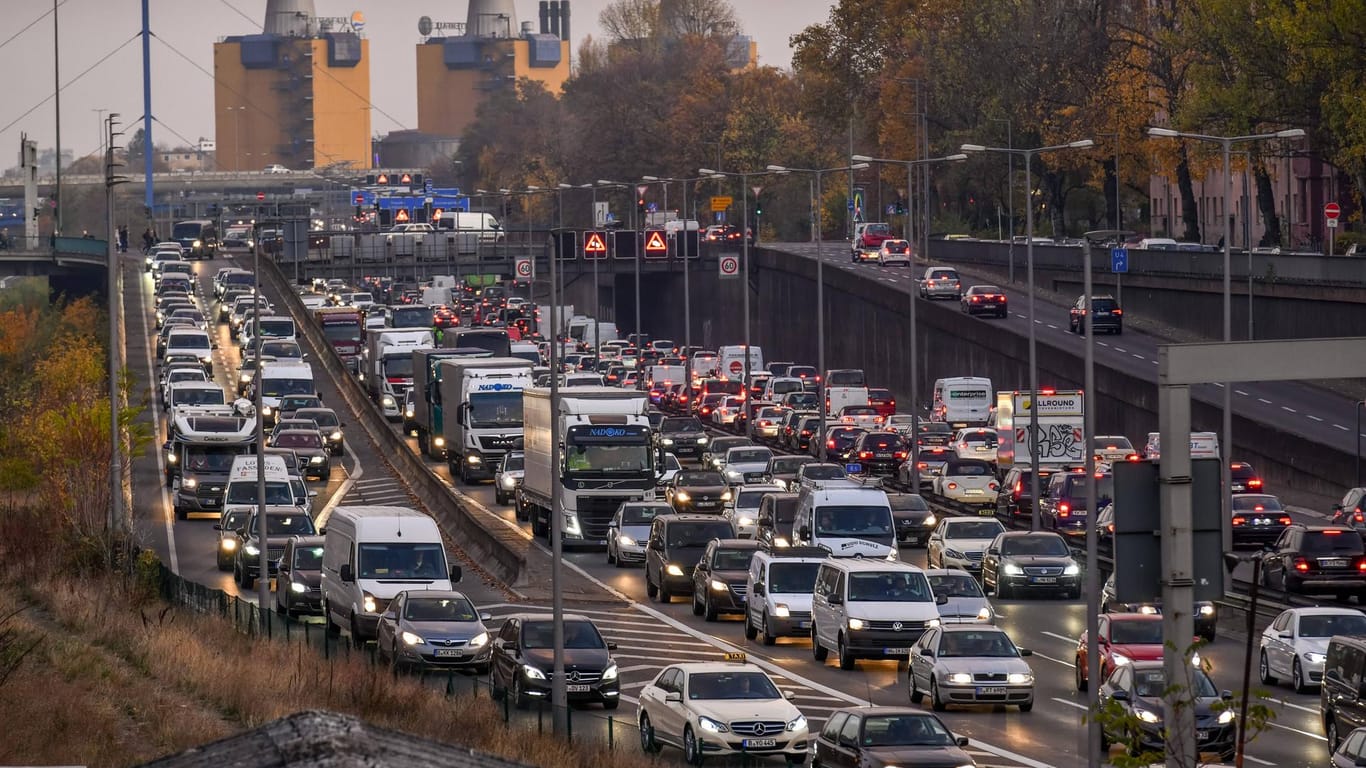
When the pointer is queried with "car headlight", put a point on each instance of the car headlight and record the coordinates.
(734, 476)
(317, 459)
(674, 570)
(571, 524)
(984, 614)
(610, 674)
(1071, 570)
(781, 541)
(719, 586)
(701, 441)
(1148, 716)
(244, 377)
(1011, 569)
(626, 541)
(252, 550)
(409, 412)
(369, 604)
(295, 586)
(508, 482)
(1226, 717)
(1120, 659)
(781, 611)
(930, 520)
(1148, 610)
(1207, 610)
(228, 544)
(856, 624)
(190, 482)
(439, 442)
(744, 521)
(893, 556)
(1019, 678)
(712, 726)
(798, 724)
(474, 459)
(388, 402)
(479, 640)
(197, 244)
(1314, 658)
(336, 436)
(171, 458)
(959, 678)
(932, 623)
(727, 496)
(667, 441)
(532, 673)
(266, 410)
(682, 496)
(954, 554)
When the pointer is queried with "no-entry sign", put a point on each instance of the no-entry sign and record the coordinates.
(1332, 211)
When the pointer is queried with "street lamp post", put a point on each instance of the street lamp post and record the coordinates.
(597, 308)
(744, 257)
(915, 355)
(1010, 191)
(820, 283)
(1226, 144)
(1028, 155)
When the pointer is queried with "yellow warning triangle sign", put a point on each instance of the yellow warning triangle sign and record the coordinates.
(400, 215)
(594, 243)
(655, 243)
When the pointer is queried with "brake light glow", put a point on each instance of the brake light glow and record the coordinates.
(1254, 483)
(865, 454)
(1048, 391)
(1285, 520)
(1064, 510)
(1018, 488)
(952, 486)
(921, 465)
(1239, 520)
(1332, 532)
(1301, 564)
(1132, 457)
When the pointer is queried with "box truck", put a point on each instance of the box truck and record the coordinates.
(481, 403)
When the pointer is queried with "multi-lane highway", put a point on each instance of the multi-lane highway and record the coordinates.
(651, 635)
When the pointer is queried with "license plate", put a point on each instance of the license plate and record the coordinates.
(803, 625)
(1201, 735)
(1262, 521)
(1335, 562)
(577, 688)
(211, 502)
(758, 743)
(991, 691)
(449, 653)
(1043, 579)
(987, 511)
(853, 469)
(896, 651)
(973, 491)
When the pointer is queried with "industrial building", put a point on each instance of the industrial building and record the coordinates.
(296, 95)
(460, 65)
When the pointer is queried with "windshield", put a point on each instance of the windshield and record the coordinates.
(699, 478)
(209, 459)
(908, 502)
(187, 341)
(846, 378)
(321, 418)
(685, 535)
(1332, 541)
(954, 585)
(990, 643)
(278, 493)
(1136, 632)
(732, 559)
(281, 387)
(425, 562)
(751, 499)
(1111, 444)
(749, 456)
(349, 331)
(577, 634)
(784, 387)
(1151, 683)
(514, 463)
(186, 231)
(1332, 624)
(1257, 503)
(299, 440)
(277, 328)
(604, 458)
(1105, 489)
(824, 472)
(890, 587)
(973, 529)
(289, 525)
(792, 578)
(410, 317)
(439, 609)
(643, 514)
(966, 469)
(496, 409)
(1047, 544)
(987, 438)
(740, 684)
(282, 349)
(789, 464)
(197, 396)
(850, 520)
(308, 559)
(399, 366)
(905, 731)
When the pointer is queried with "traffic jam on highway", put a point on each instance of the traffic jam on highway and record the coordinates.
(866, 583)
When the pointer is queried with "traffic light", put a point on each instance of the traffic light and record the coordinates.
(640, 205)
(758, 208)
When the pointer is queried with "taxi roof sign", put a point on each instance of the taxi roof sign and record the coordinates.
(655, 244)
(735, 656)
(594, 245)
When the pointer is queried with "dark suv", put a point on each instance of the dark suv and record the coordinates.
(720, 581)
(683, 436)
(1108, 316)
(878, 454)
(1015, 500)
(1317, 559)
(523, 659)
(675, 546)
(1064, 506)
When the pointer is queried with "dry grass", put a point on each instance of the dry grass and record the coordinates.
(115, 685)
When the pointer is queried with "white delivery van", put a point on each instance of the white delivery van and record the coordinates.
(780, 582)
(484, 224)
(239, 495)
(846, 521)
(731, 361)
(962, 401)
(870, 609)
(370, 554)
(279, 380)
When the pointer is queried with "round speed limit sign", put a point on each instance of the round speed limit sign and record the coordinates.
(524, 269)
(729, 266)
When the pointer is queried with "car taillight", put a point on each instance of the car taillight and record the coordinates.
(900, 454)
(1132, 457)
(806, 433)
(952, 486)
(1064, 510)
(1301, 564)
(1118, 312)
(865, 454)
(1358, 518)
(1239, 520)
(1361, 564)
(976, 299)
(1254, 483)
(1285, 520)
(991, 486)
(1018, 487)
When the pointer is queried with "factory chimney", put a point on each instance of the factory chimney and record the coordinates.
(555, 17)
(545, 17)
(491, 18)
(290, 18)
(564, 19)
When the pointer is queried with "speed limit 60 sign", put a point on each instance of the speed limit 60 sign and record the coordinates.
(525, 270)
(728, 266)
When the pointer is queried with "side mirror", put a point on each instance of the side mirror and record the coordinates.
(789, 695)
(804, 532)
(1286, 635)
(673, 697)
(835, 600)
(347, 575)
(1026, 652)
(312, 494)
(485, 616)
(1120, 695)
(941, 599)
(512, 645)
(217, 527)
(1337, 507)
(766, 521)
(456, 574)
(389, 616)
(927, 652)
(760, 590)
(1226, 695)
(993, 551)
(611, 646)
(961, 741)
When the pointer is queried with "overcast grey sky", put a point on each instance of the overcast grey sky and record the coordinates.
(92, 32)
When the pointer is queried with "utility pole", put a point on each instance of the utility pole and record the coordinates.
(116, 513)
(57, 103)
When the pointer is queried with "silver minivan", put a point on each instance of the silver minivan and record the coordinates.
(865, 608)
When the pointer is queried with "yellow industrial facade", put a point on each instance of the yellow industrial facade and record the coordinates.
(300, 102)
(455, 75)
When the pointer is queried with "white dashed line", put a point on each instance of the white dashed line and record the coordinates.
(1288, 409)
(1138, 356)
(1219, 385)
(1257, 760)
(1313, 417)
(1054, 327)
(1263, 401)
(1154, 362)
(1240, 392)
(1075, 705)
(1122, 349)
(1017, 314)
(1344, 429)
(1103, 344)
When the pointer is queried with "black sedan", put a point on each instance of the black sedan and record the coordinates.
(721, 578)
(984, 300)
(703, 491)
(1137, 688)
(887, 736)
(683, 436)
(1258, 519)
(1018, 561)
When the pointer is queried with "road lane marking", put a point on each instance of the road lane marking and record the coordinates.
(1219, 384)
(1344, 429)
(1120, 349)
(1058, 636)
(1017, 314)
(1289, 409)
(1312, 416)
(1054, 327)
(1140, 357)
(1067, 664)
(1257, 760)
(1241, 392)
(167, 507)
(1072, 704)
(1104, 344)
(1313, 736)
(1263, 401)
(1155, 362)
(1293, 705)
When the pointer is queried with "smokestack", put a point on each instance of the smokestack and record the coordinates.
(491, 18)
(545, 17)
(555, 18)
(289, 18)
(564, 19)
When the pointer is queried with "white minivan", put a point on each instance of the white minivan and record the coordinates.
(963, 401)
(487, 227)
(370, 554)
(846, 521)
(781, 581)
(731, 361)
(279, 380)
(870, 609)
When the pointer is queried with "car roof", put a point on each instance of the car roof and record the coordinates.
(872, 565)
(737, 543)
(1134, 617)
(1323, 611)
(693, 667)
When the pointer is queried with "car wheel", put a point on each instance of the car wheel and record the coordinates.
(1264, 670)
(935, 702)
(846, 658)
(1297, 678)
(394, 665)
(651, 591)
(709, 612)
(356, 641)
(1330, 730)
(499, 498)
(648, 745)
(751, 632)
(769, 637)
(692, 750)
(912, 690)
(664, 596)
(1080, 673)
(696, 603)
(519, 697)
(611, 704)
(1003, 591)
(611, 558)
(333, 628)
(818, 652)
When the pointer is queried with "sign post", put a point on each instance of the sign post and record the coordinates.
(720, 203)
(1331, 212)
(526, 270)
(1119, 264)
(728, 267)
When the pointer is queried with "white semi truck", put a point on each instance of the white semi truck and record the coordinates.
(607, 457)
(481, 403)
(387, 366)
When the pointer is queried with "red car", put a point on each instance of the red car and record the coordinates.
(1122, 638)
(872, 235)
(883, 401)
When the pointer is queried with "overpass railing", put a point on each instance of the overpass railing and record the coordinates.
(47, 246)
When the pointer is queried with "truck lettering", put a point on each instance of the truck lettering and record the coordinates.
(498, 387)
